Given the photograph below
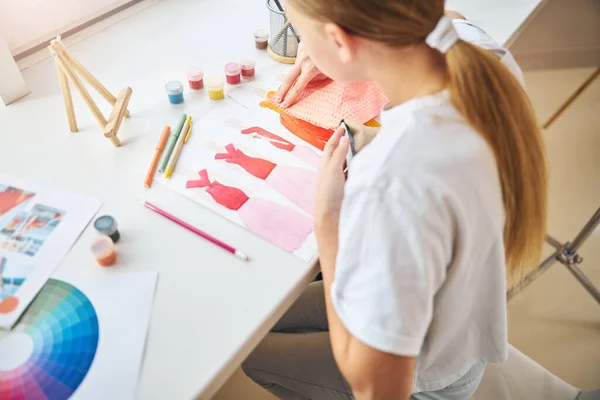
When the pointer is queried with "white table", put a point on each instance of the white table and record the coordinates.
(210, 309)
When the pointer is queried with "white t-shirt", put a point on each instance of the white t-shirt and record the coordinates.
(477, 36)
(420, 269)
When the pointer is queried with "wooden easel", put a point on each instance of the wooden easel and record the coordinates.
(68, 67)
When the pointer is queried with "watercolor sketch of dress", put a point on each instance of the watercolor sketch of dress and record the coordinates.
(302, 152)
(274, 222)
(297, 184)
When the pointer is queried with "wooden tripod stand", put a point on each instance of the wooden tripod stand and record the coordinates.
(68, 67)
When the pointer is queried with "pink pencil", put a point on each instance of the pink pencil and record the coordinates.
(198, 232)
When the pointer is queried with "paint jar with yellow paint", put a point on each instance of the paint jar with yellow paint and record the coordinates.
(215, 87)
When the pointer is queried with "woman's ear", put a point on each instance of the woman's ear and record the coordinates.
(342, 41)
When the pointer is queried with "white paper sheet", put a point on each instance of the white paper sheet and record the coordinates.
(38, 226)
(280, 201)
(123, 303)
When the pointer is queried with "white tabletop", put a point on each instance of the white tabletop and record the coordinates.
(210, 308)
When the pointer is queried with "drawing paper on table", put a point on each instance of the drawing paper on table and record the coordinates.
(278, 224)
(38, 226)
(71, 343)
(247, 182)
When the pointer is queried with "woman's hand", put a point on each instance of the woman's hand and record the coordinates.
(303, 72)
(330, 184)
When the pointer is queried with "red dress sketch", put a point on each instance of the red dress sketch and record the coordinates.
(274, 222)
(297, 184)
(302, 152)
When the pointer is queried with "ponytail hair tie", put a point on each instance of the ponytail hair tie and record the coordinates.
(443, 36)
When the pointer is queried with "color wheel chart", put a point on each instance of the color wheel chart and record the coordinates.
(52, 347)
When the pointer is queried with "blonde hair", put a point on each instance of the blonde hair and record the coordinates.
(487, 95)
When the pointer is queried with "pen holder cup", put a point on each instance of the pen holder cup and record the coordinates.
(283, 46)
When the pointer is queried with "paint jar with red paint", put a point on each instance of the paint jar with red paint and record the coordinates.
(103, 250)
(233, 73)
(261, 39)
(248, 70)
(195, 78)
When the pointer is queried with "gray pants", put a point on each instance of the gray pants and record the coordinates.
(295, 360)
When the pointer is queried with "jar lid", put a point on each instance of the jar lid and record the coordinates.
(261, 34)
(232, 68)
(102, 247)
(214, 83)
(195, 74)
(106, 225)
(247, 63)
(174, 87)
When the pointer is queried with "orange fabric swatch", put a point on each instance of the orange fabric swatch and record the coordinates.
(326, 103)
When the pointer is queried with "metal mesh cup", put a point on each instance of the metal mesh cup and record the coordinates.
(284, 37)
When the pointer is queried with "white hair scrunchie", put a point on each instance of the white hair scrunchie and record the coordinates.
(443, 36)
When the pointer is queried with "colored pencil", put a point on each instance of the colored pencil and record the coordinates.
(189, 132)
(195, 230)
(178, 147)
(171, 144)
(159, 149)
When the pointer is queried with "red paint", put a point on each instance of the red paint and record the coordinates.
(196, 84)
(232, 73)
(254, 166)
(248, 72)
(228, 196)
(315, 135)
(277, 141)
(233, 79)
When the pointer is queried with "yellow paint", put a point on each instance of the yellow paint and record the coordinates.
(270, 94)
(268, 104)
(373, 124)
(218, 94)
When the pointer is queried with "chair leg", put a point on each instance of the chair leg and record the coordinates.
(567, 255)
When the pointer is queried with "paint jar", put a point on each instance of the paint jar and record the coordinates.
(174, 90)
(261, 39)
(233, 72)
(248, 70)
(215, 88)
(195, 78)
(107, 225)
(103, 250)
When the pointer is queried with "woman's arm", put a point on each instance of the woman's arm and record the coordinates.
(371, 374)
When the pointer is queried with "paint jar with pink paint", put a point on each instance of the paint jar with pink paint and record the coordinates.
(195, 78)
(248, 68)
(233, 73)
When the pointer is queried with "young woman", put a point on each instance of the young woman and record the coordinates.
(416, 245)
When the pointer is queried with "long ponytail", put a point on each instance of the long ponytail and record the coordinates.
(495, 104)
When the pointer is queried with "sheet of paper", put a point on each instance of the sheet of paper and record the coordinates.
(38, 226)
(248, 168)
(83, 337)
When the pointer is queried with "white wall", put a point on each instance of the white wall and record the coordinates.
(27, 23)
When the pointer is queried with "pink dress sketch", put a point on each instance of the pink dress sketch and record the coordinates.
(274, 222)
(297, 184)
(302, 152)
